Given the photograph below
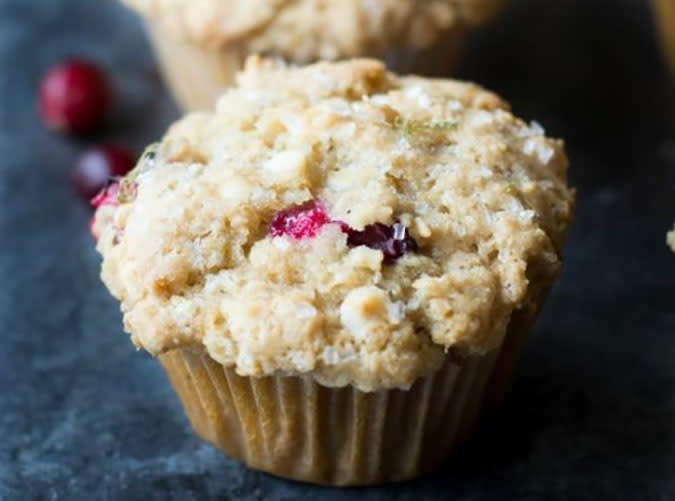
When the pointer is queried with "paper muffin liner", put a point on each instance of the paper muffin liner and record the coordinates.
(293, 427)
(197, 75)
(664, 10)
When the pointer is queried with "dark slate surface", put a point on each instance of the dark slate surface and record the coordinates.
(592, 411)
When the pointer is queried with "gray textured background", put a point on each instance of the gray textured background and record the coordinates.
(592, 411)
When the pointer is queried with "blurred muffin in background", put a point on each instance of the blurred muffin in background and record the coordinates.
(201, 44)
(664, 11)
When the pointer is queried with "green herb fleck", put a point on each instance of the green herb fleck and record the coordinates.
(127, 186)
(149, 153)
(126, 191)
(511, 189)
(415, 131)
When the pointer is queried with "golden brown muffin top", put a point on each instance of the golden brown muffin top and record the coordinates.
(337, 220)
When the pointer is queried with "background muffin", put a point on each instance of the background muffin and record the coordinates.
(664, 10)
(202, 44)
(337, 248)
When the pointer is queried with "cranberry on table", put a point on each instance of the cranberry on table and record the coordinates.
(74, 97)
(97, 166)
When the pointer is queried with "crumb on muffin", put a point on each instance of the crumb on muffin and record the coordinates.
(430, 215)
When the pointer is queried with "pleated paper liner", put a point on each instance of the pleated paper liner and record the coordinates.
(664, 11)
(518, 332)
(292, 427)
(197, 75)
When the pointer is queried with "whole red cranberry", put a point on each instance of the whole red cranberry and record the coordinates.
(74, 97)
(97, 166)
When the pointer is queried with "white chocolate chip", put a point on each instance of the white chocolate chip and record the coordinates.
(287, 167)
(365, 307)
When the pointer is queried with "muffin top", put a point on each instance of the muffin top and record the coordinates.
(306, 30)
(337, 220)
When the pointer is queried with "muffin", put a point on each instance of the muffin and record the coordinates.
(664, 10)
(338, 267)
(202, 44)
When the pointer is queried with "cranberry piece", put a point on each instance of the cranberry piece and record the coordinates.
(301, 221)
(394, 241)
(92, 231)
(107, 195)
(74, 97)
(306, 220)
(98, 165)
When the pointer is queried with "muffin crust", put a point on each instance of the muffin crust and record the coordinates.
(191, 258)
